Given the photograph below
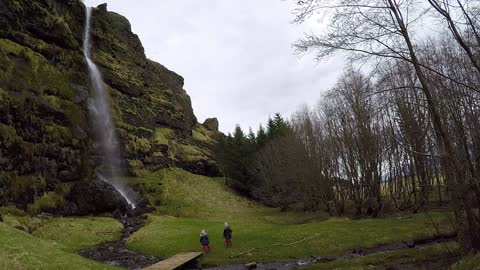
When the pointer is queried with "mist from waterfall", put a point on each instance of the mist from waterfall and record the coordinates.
(104, 127)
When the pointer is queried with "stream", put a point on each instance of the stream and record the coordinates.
(115, 253)
(442, 264)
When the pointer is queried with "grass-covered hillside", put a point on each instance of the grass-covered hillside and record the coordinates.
(51, 245)
(189, 203)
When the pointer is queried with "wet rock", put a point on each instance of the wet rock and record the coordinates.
(358, 252)
(68, 175)
(79, 133)
(410, 244)
(117, 214)
(142, 203)
(96, 196)
(69, 209)
(140, 211)
(203, 167)
(250, 266)
(81, 93)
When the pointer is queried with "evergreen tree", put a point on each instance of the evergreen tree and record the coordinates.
(251, 137)
(261, 136)
(271, 129)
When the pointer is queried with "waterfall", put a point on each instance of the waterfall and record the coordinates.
(103, 125)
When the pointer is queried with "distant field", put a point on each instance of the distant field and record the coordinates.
(195, 202)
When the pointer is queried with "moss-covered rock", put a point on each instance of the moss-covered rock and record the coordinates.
(46, 139)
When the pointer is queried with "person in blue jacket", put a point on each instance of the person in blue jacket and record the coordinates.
(227, 234)
(204, 241)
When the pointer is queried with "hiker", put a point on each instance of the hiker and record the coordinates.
(227, 234)
(204, 241)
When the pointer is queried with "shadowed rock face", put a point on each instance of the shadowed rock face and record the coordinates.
(94, 197)
(46, 141)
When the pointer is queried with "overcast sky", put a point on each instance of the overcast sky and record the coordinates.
(236, 56)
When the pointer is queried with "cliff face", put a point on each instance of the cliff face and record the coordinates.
(46, 141)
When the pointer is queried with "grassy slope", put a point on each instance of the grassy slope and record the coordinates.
(22, 251)
(194, 202)
(75, 233)
(469, 263)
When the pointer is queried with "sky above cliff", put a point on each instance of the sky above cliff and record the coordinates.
(236, 56)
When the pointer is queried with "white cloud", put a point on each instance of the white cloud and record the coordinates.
(236, 56)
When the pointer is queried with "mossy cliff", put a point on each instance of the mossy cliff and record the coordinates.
(46, 141)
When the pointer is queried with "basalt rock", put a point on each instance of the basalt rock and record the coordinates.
(211, 124)
(95, 197)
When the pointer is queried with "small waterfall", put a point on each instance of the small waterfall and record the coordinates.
(104, 127)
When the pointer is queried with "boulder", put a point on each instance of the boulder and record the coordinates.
(94, 197)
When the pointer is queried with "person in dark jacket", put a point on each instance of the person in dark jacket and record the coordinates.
(204, 241)
(227, 234)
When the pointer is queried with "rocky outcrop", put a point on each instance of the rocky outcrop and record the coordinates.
(46, 141)
(211, 124)
(94, 197)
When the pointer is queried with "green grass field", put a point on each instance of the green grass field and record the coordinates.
(193, 202)
(386, 260)
(190, 203)
(471, 262)
(22, 251)
(75, 233)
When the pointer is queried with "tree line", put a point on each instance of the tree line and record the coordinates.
(401, 126)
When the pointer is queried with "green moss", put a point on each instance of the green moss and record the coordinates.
(4, 94)
(54, 101)
(202, 138)
(471, 262)
(121, 70)
(190, 153)
(8, 135)
(162, 136)
(12, 210)
(137, 145)
(25, 223)
(59, 134)
(168, 92)
(158, 155)
(25, 69)
(75, 114)
(49, 200)
(137, 167)
(20, 184)
(54, 25)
